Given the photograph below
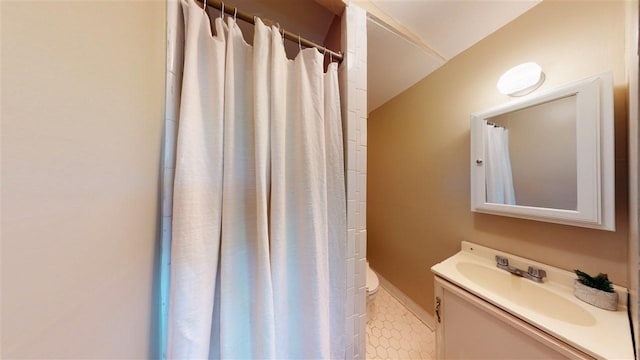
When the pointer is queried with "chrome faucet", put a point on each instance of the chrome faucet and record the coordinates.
(532, 273)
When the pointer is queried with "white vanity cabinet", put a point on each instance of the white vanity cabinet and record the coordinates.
(468, 327)
(486, 312)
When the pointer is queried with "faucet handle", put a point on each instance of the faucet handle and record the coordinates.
(501, 260)
(537, 273)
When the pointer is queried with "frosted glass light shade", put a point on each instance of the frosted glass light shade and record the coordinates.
(521, 80)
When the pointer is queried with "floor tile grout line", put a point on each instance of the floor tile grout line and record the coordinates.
(394, 332)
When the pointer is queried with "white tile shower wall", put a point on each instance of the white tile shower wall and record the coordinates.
(175, 42)
(353, 76)
(354, 88)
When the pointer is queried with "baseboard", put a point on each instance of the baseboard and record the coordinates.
(416, 309)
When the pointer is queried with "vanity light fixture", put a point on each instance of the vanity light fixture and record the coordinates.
(521, 80)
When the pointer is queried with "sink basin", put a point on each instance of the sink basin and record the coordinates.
(550, 306)
(526, 293)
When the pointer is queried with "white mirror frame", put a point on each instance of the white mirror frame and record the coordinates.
(595, 156)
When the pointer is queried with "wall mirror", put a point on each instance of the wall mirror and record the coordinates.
(548, 157)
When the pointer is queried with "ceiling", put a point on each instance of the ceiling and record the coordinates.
(409, 39)
(309, 18)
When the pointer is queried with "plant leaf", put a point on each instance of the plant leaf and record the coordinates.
(600, 282)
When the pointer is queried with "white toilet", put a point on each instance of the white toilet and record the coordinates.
(372, 283)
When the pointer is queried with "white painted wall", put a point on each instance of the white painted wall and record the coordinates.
(82, 107)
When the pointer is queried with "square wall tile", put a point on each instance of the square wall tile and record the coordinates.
(361, 275)
(170, 141)
(166, 227)
(351, 130)
(360, 301)
(362, 184)
(361, 165)
(356, 348)
(167, 191)
(354, 42)
(361, 75)
(349, 352)
(351, 156)
(352, 98)
(172, 96)
(352, 184)
(362, 216)
(360, 272)
(362, 324)
(363, 131)
(351, 268)
(351, 62)
(175, 35)
(351, 303)
(361, 99)
(359, 105)
(350, 324)
(351, 214)
(351, 243)
(362, 243)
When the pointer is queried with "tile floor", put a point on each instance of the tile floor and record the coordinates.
(393, 332)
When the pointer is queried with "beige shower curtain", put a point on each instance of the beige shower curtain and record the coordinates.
(259, 210)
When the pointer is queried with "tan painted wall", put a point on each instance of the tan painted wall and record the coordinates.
(633, 70)
(418, 152)
(82, 109)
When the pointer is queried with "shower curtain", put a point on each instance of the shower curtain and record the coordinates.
(498, 176)
(259, 208)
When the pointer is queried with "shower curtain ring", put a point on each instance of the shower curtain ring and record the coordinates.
(222, 11)
(204, 9)
(299, 43)
(235, 12)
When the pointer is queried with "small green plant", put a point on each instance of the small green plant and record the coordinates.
(600, 282)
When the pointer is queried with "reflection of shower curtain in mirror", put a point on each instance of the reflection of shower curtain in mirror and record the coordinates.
(498, 177)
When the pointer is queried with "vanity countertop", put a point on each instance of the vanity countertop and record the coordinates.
(549, 306)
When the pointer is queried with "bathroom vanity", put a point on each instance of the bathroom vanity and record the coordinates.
(484, 312)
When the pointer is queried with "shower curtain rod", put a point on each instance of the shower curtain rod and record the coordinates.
(235, 12)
